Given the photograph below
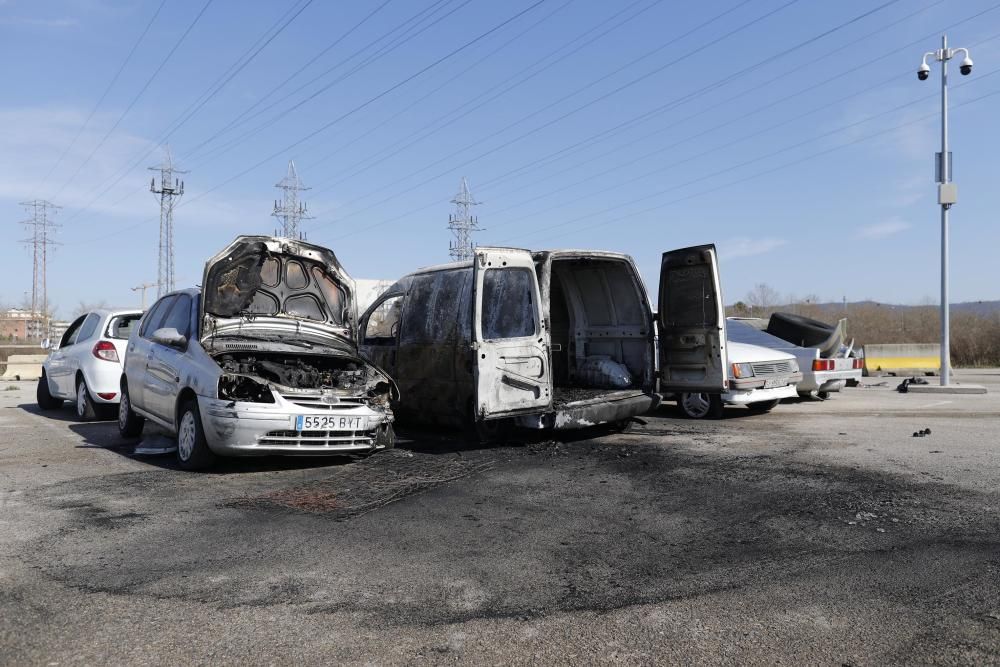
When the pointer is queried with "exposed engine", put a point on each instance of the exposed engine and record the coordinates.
(247, 376)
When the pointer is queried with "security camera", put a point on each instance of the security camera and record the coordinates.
(923, 72)
(966, 67)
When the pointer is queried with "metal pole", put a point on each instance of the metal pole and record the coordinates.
(945, 178)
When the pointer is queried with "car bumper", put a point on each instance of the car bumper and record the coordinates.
(233, 428)
(746, 396)
(828, 380)
(104, 377)
(608, 409)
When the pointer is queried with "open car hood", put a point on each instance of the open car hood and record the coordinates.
(282, 286)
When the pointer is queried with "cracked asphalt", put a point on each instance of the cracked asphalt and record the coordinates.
(822, 533)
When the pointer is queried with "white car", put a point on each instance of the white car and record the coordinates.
(759, 378)
(262, 360)
(87, 365)
(823, 370)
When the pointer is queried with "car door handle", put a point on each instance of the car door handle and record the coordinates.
(177, 378)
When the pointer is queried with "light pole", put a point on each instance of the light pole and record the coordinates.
(947, 191)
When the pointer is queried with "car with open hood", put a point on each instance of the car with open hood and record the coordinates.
(262, 360)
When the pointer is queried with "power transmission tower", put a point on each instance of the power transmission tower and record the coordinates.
(42, 227)
(462, 223)
(290, 211)
(143, 287)
(170, 189)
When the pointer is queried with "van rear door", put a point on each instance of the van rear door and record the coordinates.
(510, 340)
(692, 322)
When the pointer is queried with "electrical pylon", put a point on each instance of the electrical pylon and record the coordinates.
(170, 189)
(462, 223)
(42, 227)
(290, 211)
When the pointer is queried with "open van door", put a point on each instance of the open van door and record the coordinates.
(692, 322)
(510, 340)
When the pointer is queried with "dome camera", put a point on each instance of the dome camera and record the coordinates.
(924, 72)
(966, 67)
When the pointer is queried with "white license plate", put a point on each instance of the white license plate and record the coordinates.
(771, 383)
(329, 423)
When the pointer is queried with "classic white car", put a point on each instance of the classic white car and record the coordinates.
(825, 367)
(758, 378)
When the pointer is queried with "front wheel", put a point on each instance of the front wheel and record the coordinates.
(46, 401)
(701, 405)
(761, 407)
(192, 448)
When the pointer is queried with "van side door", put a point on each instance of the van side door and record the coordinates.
(510, 339)
(692, 322)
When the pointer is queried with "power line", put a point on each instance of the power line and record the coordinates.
(170, 189)
(245, 116)
(404, 110)
(494, 92)
(41, 226)
(372, 100)
(135, 99)
(383, 51)
(213, 89)
(668, 43)
(104, 95)
(772, 154)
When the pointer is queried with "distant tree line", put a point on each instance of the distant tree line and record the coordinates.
(975, 337)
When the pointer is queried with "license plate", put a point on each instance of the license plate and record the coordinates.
(771, 383)
(329, 423)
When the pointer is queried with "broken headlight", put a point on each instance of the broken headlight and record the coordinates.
(244, 389)
(379, 396)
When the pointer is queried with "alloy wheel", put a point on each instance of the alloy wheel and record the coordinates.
(186, 435)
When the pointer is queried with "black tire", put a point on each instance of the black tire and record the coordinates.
(760, 407)
(46, 401)
(825, 395)
(129, 423)
(85, 410)
(708, 406)
(799, 330)
(193, 452)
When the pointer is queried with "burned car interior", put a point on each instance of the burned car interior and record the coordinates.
(599, 327)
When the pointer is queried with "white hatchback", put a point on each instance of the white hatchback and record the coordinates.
(86, 368)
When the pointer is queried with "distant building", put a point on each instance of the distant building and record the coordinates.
(18, 324)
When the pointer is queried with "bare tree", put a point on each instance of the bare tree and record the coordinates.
(84, 307)
(763, 296)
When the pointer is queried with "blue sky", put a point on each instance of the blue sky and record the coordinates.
(793, 134)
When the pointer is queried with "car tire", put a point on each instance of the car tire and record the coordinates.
(760, 407)
(85, 410)
(193, 452)
(129, 422)
(46, 401)
(700, 405)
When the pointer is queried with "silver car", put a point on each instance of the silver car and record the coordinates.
(262, 360)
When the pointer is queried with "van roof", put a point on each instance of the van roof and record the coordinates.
(566, 252)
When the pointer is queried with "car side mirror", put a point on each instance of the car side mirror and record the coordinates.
(46, 344)
(170, 337)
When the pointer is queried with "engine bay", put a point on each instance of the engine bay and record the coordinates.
(247, 375)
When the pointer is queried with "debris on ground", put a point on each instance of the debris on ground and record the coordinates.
(921, 433)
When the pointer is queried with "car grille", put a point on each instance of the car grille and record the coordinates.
(316, 402)
(329, 439)
(772, 367)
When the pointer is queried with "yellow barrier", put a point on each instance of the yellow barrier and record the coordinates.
(902, 359)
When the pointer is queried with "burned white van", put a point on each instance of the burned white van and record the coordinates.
(551, 339)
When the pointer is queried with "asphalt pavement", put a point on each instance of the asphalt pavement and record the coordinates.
(821, 533)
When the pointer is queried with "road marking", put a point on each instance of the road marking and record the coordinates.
(937, 403)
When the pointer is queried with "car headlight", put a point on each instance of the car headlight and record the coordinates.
(795, 366)
(742, 371)
(243, 389)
